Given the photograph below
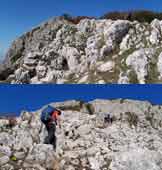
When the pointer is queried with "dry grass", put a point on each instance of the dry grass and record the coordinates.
(56, 164)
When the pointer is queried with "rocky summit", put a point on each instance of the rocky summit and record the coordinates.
(91, 51)
(85, 142)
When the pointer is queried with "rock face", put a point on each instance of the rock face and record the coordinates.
(92, 51)
(132, 142)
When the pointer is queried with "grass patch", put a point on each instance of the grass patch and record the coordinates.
(132, 119)
(122, 101)
(110, 77)
(153, 73)
(89, 108)
(121, 62)
(133, 77)
(15, 58)
(150, 118)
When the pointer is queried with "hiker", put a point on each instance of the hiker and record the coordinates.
(108, 119)
(51, 118)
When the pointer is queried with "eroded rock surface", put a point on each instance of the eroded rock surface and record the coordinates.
(132, 142)
(92, 51)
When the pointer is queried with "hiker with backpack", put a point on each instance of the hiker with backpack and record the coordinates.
(50, 117)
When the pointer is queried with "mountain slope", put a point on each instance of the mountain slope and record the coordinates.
(91, 51)
(132, 141)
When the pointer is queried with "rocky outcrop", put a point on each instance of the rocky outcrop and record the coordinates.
(91, 51)
(85, 141)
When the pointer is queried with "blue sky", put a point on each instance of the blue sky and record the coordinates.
(14, 98)
(19, 16)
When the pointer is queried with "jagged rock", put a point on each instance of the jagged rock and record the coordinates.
(6, 139)
(23, 140)
(72, 56)
(4, 160)
(42, 154)
(19, 155)
(31, 59)
(59, 51)
(22, 76)
(5, 151)
(106, 66)
(117, 31)
(156, 26)
(139, 61)
(41, 71)
(132, 141)
(67, 105)
(52, 76)
(138, 159)
(159, 64)
(26, 116)
(123, 79)
(7, 166)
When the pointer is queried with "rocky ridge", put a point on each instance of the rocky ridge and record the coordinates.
(92, 51)
(132, 142)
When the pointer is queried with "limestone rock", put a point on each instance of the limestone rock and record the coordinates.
(159, 64)
(42, 154)
(139, 159)
(59, 51)
(132, 141)
(139, 61)
(4, 160)
(106, 66)
(156, 32)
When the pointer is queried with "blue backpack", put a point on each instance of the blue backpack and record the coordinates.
(46, 114)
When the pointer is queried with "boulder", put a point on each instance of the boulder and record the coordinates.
(42, 154)
(108, 66)
(4, 160)
(139, 61)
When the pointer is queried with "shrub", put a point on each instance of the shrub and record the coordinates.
(139, 15)
(12, 122)
(143, 16)
(133, 77)
(117, 15)
(132, 119)
(74, 20)
(16, 57)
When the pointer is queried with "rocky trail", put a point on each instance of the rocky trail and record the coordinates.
(92, 51)
(132, 142)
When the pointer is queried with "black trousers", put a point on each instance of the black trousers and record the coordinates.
(51, 138)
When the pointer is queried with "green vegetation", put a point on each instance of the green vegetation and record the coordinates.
(121, 60)
(132, 77)
(141, 15)
(13, 158)
(132, 119)
(90, 108)
(74, 20)
(15, 58)
(122, 101)
(150, 118)
(153, 73)
(138, 15)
